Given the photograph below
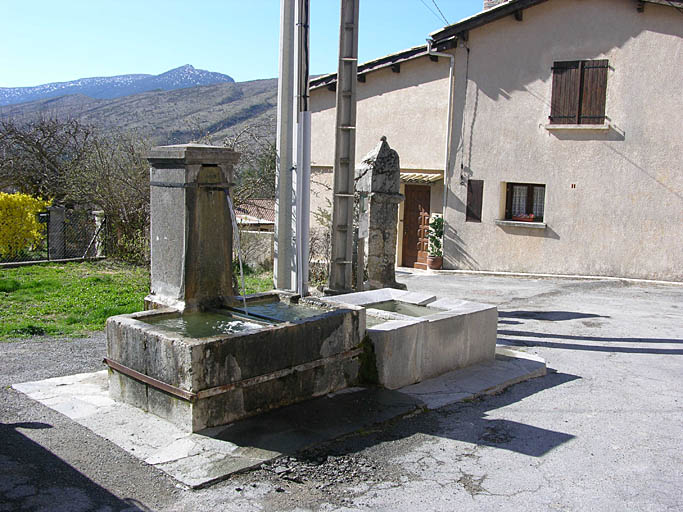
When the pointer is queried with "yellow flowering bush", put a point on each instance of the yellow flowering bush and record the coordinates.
(19, 227)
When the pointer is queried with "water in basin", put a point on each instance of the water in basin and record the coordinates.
(371, 321)
(202, 324)
(282, 311)
(403, 308)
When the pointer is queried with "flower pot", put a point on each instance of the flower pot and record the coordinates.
(434, 262)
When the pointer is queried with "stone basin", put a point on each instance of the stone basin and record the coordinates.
(181, 367)
(417, 336)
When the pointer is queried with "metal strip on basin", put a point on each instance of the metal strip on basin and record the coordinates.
(277, 374)
(219, 390)
(155, 383)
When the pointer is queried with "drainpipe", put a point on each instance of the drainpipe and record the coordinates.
(449, 121)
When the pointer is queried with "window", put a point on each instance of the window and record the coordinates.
(525, 202)
(475, 190)
(579, 92)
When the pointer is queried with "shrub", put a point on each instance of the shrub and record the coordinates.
(19, 226)
(435, 236)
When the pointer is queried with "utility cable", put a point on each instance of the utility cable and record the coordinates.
(441, 13)
(431, 10)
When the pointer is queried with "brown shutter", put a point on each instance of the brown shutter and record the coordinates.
(564, 103)
(594, 92)
(475, 192)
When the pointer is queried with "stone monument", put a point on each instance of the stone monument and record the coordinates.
(378, 182)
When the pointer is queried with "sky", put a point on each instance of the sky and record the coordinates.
(44, 41)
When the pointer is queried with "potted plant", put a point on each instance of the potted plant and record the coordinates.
(435, 256)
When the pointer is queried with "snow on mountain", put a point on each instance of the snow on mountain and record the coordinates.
(114, 86)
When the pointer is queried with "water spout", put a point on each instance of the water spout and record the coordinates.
(236, 232)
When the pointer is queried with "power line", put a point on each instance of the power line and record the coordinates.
(430, 10)
(437, 8)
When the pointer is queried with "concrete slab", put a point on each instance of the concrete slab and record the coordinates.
(510, 367)
(199, 459)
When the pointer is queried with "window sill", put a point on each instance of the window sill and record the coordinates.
(579, 127)
(520, 224)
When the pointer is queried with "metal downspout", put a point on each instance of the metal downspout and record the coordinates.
(449, 121)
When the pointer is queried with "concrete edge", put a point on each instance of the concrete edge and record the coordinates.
(416, 271)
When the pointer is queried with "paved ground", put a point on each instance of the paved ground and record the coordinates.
(603, 431)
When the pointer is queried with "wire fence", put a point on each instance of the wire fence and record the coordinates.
(65, 234)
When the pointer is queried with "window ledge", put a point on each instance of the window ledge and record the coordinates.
(578, 127)
(521, 224)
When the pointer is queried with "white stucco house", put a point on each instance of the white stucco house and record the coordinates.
(556, 147)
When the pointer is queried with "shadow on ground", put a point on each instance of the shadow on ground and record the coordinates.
(291, 430)
(534, 342)
(548, 316)
(32, 478)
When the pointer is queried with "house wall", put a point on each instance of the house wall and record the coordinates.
(624, 216)
(409, 108)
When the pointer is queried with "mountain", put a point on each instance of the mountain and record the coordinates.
(167, 116)
(115, 86)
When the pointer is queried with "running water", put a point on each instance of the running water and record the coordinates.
(236, 237)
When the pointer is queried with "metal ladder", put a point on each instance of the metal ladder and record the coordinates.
(344, 151)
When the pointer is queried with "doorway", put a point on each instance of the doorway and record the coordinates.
(416, 226)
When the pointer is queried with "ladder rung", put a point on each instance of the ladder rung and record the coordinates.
(343, 262)
(340, 194)
(348, 59)
(347, 127)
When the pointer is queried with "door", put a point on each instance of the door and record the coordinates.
(416, 226)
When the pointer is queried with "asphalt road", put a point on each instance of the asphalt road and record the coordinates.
(602, 431)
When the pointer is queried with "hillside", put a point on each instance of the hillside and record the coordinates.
(166, 117)
(114, 86)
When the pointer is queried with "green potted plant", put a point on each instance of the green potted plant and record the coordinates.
(435, 256)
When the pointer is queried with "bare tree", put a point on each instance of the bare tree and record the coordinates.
(114, 177)
(37, 157)
(255, 171)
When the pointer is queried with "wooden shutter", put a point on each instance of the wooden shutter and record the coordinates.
(564, 105)
(475, 192)
(594, 92)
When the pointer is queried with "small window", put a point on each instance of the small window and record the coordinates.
(475, 190)
(579, 92)
(525, 202)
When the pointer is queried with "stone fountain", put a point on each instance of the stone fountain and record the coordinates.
(200, 356)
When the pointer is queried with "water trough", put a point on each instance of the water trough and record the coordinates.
(417, 336)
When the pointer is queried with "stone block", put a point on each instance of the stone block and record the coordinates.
(449, 335)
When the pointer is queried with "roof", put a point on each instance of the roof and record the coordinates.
(421, 177)
(481, 18)
(256, 211)
(373, 65)
(442, 37)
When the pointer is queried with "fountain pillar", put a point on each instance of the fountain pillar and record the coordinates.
(190, 226)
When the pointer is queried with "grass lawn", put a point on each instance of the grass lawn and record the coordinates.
(71, 299)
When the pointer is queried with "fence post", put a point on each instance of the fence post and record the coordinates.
(56, 243)
(99, 237)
